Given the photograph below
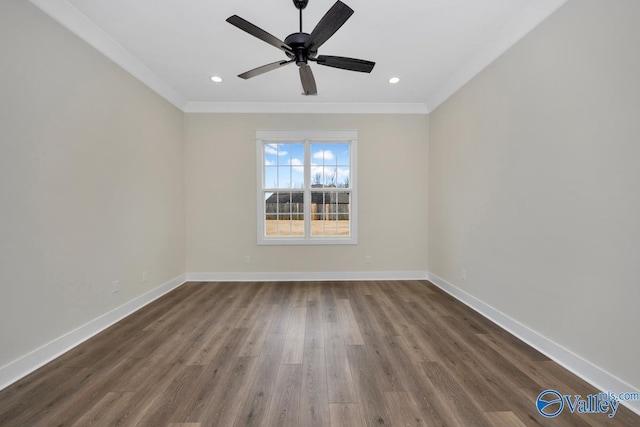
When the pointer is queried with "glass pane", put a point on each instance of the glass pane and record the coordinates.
(297, 177)
(284, 214)
(271, 177)
(344, 154)
(323, 154)
(331, 213)
(283, 165)
(330, 177)
(270, 154)
(344, 177)
(284, 177)
(297, 154)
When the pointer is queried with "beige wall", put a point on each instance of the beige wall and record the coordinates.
(534, 183)
(91, 183)
(221, 195)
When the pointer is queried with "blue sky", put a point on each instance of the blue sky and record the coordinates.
(284, 164)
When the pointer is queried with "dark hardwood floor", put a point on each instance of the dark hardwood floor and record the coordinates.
(392, 353)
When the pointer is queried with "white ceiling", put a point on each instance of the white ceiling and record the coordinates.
(174, 46)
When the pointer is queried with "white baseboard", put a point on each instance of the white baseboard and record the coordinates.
(28, 363)
(586, 370)
(306, 276)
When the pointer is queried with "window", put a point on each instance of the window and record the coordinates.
(307, 187)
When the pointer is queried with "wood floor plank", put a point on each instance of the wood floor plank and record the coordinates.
(339, 379)
(403, 410)
(50, 397)
(504, 419)
(213, 376)
(299, 296)
(171, 398)
(137, 408)
(411, 378)
(106, 411)
(314, 404)
(260, 390)
(328, 303)
(483, 385)
(346, 415)
(452, 393)
(363, 317)
(340, 289)
(370, 395)
(385, 370)
(313, 336)
(419, 349)
(202, 352)
(294, 340)
(285, 405)
(93, 391)
(314, 292)
(258, 331)
(302, 354)
(223, 403)
(280, 321)
(348, 323)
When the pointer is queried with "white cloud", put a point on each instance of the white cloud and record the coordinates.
(273, 149)
(297, 164)
(343, 173)
(323, 155)
(268, 162)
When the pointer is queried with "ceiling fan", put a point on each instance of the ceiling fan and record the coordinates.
(302, 47)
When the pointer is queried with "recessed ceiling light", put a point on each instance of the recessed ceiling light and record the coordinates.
(216, 79)
(394, 80)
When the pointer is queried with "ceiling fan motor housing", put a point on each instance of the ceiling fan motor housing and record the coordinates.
(297, 42)
(300, 4)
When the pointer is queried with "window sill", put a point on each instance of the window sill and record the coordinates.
(306, 242)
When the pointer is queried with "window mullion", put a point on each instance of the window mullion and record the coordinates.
(307, 189)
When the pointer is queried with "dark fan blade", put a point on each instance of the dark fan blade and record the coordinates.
(247, 26)
(263, 69)
(350, 64)
(308, 82)
(328, 25)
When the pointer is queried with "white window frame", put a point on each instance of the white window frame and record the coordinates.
(307, 137)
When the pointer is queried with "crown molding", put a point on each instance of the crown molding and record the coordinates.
(306, 108)
(536, 12)
(78, 23)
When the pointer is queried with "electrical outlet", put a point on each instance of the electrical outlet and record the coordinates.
(145, 277)
(463, 274)
(247, 259)
(367, 259)
(115, 286)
